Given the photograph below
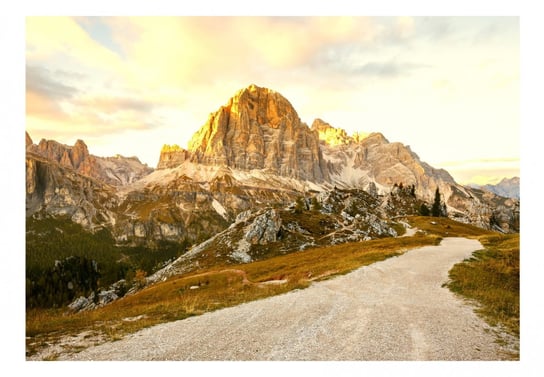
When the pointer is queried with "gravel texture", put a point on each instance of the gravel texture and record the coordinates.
(392, 310)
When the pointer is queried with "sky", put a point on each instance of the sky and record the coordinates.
(446, 86)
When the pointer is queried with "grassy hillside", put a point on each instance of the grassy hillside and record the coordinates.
(491, 278)
(206, 290)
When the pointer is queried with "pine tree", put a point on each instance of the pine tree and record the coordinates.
(423, 210)
(435, 210)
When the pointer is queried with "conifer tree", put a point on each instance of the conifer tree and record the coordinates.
(423, 210)
(435, 210)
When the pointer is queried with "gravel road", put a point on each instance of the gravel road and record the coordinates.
(391, 310)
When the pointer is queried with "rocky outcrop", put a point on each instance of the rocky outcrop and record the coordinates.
(97, 300)
(172, 156)
(330, 135)
(259, 129)
(264, 228)
(484, 209)
(28, 140)
(59, 191)
(117, 170)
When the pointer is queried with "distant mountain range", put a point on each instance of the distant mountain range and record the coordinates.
(507, 187)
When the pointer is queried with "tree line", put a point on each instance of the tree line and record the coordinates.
(63, 261)
(437, 209)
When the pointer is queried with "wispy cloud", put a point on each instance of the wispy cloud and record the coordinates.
(388, 68)
(70, 108)
(40, 81)
(483, 171)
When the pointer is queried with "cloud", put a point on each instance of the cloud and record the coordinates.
(39, 81)
(482, 171)
(404, 27)
(54, 103)
(388, 68)
(201, 50)
(111, 105)
(49, 38)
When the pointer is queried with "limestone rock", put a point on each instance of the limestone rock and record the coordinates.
(28, 140)
(117, 170)
(259, 129)
(172, 156)
(264, 228)
(79, 153)
(330, 135)
(61, 191)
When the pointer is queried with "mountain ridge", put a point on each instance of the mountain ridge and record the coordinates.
(116, 170)
(253, 152)
(507, 187)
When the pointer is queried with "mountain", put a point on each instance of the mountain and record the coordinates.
(117, 170)
(507, 187)
(54, 189)
(252, 153)
(329, 218)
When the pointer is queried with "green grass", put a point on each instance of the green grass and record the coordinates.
(491, 278)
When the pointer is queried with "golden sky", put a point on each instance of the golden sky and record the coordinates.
(446, 86)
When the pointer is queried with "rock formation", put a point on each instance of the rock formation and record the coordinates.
(117, 170)
(259, 129)
(55, 190)
(172, 156)
(330, 135)
(28, 140)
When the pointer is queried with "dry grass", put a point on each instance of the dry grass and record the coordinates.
(491, 278)
(207, 290)
(444, 227)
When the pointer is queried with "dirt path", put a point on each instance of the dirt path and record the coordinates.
(391, 310)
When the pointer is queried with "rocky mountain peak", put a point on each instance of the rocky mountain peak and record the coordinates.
(330, 135)
(79, 153)
(28, 140)
(507, 187)
(172, 156)
(376, 138)
(115, 171)
(258, 128)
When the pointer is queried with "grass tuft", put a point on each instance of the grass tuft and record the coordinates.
(491, 278)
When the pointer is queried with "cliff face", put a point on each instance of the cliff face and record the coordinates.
(259, 129)
(117, 170)
(55, 190)
(172, 156)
